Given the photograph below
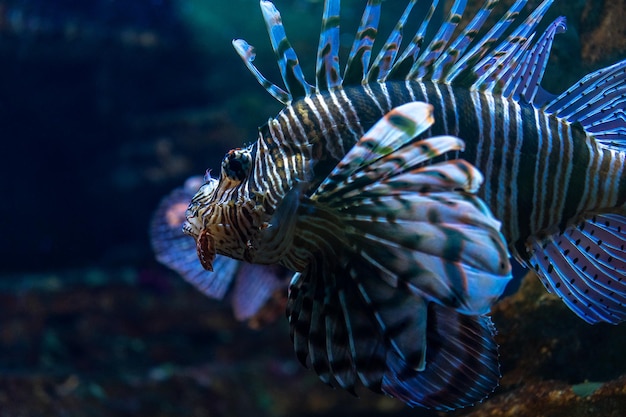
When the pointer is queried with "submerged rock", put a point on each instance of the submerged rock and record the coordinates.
(553, 363)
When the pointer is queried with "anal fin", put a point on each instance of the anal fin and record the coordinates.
(462, 359)
(586, 267)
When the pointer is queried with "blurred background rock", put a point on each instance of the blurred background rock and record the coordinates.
(107, 105)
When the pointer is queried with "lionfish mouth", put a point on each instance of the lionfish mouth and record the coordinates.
(205, 246)
(204, 240)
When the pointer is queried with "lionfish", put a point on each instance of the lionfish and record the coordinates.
(357, 186)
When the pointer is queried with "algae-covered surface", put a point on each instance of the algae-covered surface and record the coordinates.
(105, 106)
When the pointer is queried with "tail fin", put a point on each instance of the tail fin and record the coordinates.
(585, 266)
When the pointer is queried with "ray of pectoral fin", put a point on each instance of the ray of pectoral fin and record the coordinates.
(416, 223)
(462, 363)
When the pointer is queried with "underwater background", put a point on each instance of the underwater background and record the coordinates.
(105, 107)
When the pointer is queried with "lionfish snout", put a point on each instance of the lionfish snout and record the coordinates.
(200, 201)
(204, 240)
(194, 225)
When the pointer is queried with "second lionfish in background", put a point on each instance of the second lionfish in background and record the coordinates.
(396, 259)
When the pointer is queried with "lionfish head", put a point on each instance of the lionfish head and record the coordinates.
(222, 213)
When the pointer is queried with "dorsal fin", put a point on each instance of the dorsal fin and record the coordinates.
(492, 73)
(246, 52)
(423, 67)
(478, 51)
(462, 42)
(411, 53)
(524, 70)
(287, 59)
(492, 68)
(516, 64)
(598, 102)
(525, 84)
(359, 57)
(327, 69)
(387, 55)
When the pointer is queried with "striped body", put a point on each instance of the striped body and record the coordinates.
(542, 173)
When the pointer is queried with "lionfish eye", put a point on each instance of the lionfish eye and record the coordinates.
(236, 164)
